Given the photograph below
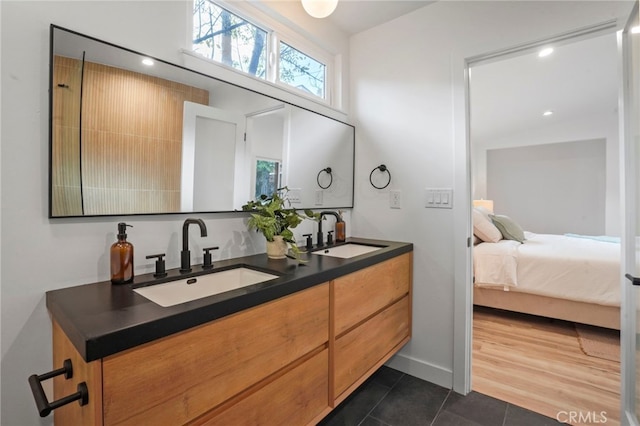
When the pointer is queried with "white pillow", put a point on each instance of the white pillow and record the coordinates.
(485, 211)
(484, 229)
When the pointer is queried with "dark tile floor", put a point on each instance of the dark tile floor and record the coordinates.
(392, 398)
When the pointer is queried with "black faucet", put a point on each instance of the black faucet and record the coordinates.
(185, 254)
(320, 236)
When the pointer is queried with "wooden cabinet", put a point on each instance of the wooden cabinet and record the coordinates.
(288, 361)
(179, 378)
(295, 398)
(361, 350)
(363, 293)
(372, 321)
(90, 373)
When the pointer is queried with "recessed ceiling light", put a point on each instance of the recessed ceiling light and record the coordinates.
(547, 113)
(635, 30)
(545, 52)
(147, 62)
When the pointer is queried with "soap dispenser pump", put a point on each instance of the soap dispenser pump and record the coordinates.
(122, 257)
(341, 232)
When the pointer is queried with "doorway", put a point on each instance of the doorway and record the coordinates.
(548, 117)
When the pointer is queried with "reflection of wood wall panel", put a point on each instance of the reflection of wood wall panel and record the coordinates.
(132, 140)
(65, 157)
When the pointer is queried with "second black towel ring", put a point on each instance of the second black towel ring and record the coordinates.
(382, 168)
(327, 171)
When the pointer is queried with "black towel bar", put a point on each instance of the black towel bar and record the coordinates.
(44, 406)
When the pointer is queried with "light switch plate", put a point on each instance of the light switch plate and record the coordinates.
(395, 199)
(295, 195)
(438, 198)
(319, 197)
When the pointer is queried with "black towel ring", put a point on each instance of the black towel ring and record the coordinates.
(382, 168)
(327, 171)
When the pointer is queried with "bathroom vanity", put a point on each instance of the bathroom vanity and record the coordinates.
(283, 351)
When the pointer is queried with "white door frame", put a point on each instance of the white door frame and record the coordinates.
(629, 163)
(463, 298)
(191, 112)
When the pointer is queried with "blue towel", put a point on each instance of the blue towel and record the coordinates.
(603, 238)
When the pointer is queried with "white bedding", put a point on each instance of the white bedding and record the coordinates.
(580, 269)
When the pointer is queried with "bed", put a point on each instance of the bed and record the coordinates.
(568, 277)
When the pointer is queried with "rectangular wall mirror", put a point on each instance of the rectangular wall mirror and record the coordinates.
(128, 138)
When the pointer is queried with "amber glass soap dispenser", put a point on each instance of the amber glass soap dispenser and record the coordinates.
(341, 232)
(122, 257)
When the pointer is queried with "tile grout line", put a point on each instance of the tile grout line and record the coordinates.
(441, 406)
(374, 407)
(504, 419)
(384, 423)
(381, 399)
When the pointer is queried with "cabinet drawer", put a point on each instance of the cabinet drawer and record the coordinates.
(361, 348)
(178, 378)
(295, 398)
(361, 294)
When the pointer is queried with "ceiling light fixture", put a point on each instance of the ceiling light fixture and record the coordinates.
(319, 8)
(545, 52)
(547, 113)
(147, 62)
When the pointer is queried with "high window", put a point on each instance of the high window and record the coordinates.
(225, 37)
(301, 71)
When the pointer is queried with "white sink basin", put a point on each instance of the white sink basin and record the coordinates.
(188, 289)
(347, 251)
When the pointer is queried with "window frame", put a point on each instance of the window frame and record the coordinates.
(240, 14)
(312, 52)
(276, 33)
(254, 177)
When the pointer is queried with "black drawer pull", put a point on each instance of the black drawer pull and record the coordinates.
(43, 405)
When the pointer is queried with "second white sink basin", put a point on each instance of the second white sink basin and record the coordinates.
(347, 251)
(188, 289)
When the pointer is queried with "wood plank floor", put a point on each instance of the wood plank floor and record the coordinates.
(537, 363)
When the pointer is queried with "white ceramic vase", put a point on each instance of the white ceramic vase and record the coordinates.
(277, 249)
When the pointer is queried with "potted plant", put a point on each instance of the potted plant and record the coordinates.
(274, 217)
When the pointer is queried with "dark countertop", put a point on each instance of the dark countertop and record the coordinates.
(102, 319)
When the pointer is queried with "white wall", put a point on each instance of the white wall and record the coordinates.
(552, 188)
(40, 254)
(307, 132)
(584, 128)
(402, 97)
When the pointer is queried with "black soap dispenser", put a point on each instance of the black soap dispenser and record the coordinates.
(122, 257)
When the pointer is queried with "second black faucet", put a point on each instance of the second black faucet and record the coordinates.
(340, 232)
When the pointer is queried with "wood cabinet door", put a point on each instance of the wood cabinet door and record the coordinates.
(359, 350)
(176, 379)
(365, 292)
(295, 398)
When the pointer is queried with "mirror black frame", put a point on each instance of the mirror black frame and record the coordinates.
(54, 27)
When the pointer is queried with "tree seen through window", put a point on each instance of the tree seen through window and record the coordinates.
(225, 37)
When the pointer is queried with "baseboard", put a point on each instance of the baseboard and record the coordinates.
(422, 370)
